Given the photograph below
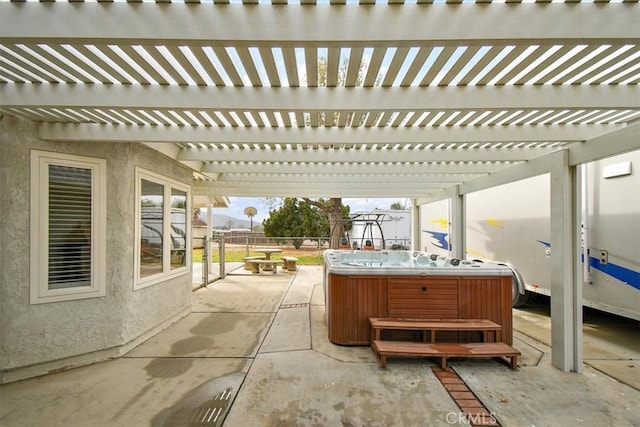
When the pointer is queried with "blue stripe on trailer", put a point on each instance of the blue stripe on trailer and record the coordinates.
(630, 277)
(623, 274)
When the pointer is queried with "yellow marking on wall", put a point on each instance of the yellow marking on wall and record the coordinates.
(495, 222)
(442, 222)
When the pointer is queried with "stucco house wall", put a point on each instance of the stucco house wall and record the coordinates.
(38, 338)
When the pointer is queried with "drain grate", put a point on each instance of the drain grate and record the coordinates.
(210, 413)
(472, 410)
(295, 305)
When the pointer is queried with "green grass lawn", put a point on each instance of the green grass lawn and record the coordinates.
(305, 257)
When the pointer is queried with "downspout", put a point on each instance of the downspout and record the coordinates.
(584, 196)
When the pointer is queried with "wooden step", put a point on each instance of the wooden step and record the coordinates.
(383, 349)
(378, 324)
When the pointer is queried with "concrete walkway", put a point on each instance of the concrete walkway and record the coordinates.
(254, 352)
(213, 274)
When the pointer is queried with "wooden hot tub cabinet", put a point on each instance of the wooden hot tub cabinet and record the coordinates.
(352, 300)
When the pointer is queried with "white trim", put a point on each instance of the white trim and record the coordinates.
(167, 272)
(39, 288)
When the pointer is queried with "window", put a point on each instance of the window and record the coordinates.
(68, 227)
(162, 228)
(178, 228)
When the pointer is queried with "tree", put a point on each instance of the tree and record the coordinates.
(353, 118)
(328, 218)
(297, 219)
(396, 206)
(337, 216)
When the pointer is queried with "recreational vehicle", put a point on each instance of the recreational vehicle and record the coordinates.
(382, 229)
(510, 223)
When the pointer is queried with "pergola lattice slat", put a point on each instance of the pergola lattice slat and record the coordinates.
(271, 90)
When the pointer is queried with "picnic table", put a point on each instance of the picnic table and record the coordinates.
(267, 253)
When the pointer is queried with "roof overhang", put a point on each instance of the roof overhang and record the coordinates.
(329, 99)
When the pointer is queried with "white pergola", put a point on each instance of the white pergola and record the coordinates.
(422, 99)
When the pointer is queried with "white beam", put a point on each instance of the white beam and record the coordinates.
(528, 169)
(426, 181)
(617, 142)
(360, 155)
(314, 192)
(202, 197)
(89, 132)
(315, 189)
(172, 151)
(436, 98)
(447, 193)
(382, 183)
(217, 25)
(471, 169)
(614, 143)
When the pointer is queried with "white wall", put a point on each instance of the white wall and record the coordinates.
(37, 338)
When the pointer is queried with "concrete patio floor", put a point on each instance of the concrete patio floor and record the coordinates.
(254, 352)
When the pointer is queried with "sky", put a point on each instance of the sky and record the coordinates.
(238, 205)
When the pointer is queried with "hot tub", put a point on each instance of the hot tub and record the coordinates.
(394, 263)
(403, 284)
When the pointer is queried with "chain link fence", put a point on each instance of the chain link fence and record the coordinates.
(212, 257)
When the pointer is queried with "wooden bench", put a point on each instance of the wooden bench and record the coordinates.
(247, 265)
(487, 327)
(290, 263)
(266, 264)
(384, 349)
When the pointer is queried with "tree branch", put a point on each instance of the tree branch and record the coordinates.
(315, 203)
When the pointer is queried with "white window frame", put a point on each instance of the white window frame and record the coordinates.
(167, 271)
(39, 233)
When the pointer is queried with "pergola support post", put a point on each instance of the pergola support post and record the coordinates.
(566, 301)
(457, 236)
(415, 225)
